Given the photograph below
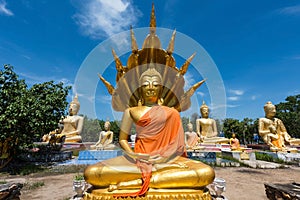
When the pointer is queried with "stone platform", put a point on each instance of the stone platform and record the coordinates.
(240, 155)
(47, 156)
(285, 156)
(205, 156)
(152, 194)
(88, 157)
(98, 155)
(290, 191)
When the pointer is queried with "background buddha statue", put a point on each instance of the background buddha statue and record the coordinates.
(207, 127)
(150, 93)
(273, 131)
(234, 142)
(105, 141)
(72, 125)
(191, 138)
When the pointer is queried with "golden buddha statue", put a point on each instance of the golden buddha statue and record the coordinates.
(207, 128)
(234, 142)
(105, 141)
(273, 131)
(191, 137)
(72, 126)
(157, 165)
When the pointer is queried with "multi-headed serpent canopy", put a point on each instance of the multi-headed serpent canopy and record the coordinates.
(127, 93)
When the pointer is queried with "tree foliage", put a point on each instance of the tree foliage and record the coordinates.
(289, 113)
(27, 114)
(91, 130)
(243, 129)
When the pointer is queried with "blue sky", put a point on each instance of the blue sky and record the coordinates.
(254, 46)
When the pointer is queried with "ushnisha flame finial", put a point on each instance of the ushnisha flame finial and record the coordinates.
(151, 56)
(75, 100)
(153, 21)
(134, 46)
(170, 48)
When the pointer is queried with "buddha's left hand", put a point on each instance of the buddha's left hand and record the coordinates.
(156, 159)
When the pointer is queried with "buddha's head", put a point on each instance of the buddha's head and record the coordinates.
(270, 110)
(233, 135)
(151, 86)
(204, 110)
(190, 127)
(107, 125)
(74, 106)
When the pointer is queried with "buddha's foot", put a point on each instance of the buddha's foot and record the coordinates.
(112, 188)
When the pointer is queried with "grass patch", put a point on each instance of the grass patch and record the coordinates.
(33, 186)
(268, 158)
(3, 182)
(29, 169)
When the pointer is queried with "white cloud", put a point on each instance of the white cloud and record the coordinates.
(4, 10)
(105, 99)
(102, 18)
(291, 10)
(34, 79)
(297, 57)
(200, 94)
(215, 107)
(236, 92)
(233, 98)
(254, 97)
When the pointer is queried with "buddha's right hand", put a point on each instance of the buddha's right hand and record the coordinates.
(138, 156)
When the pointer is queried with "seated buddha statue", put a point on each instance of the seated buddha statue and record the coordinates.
(72, 126)
(150, 93)
(105, 141)
(273, 131)
(191, 137)
(207, 128)
(234, 142)
(158, 159)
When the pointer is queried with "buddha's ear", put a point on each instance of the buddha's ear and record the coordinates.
(160, 101)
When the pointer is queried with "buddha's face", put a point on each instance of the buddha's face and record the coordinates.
(73, 109)
(204, 112)
(270, 111)
(151, 89)
(106, 126)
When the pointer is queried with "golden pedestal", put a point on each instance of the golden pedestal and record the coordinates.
(152, 194)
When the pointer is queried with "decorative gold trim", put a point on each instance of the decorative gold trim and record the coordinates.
(153, 194)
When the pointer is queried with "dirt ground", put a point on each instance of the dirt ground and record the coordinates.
(241, 183)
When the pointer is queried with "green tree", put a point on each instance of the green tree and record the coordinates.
(289, 113)
(230, 126)
(27, 114)
(91, 130)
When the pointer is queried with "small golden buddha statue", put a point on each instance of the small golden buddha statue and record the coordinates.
(234, 142)
(273, 131)
(105, 141)
(207, 128)
(152, 101)
(72, 126)
(191, 138)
